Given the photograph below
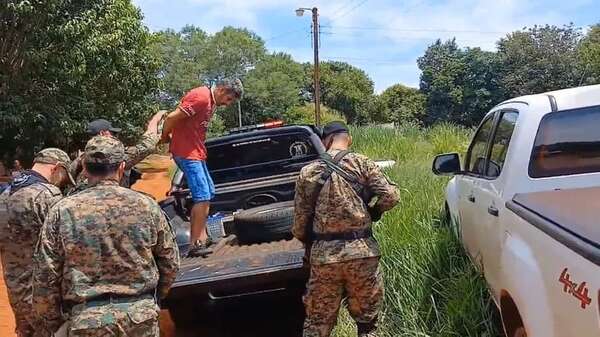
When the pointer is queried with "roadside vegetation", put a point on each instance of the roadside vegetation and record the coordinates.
(431, 287)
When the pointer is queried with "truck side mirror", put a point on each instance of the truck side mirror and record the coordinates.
(446, 164)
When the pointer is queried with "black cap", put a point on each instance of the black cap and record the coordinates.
(94, 127)
(333, 128)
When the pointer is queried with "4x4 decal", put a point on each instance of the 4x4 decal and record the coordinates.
(579, 291)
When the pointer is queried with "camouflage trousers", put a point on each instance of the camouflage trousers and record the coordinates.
(17, 276)
(135, 319)
(359, 281)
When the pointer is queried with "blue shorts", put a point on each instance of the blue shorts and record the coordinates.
(198, 178)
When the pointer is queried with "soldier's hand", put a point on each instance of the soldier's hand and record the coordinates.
(154, 121)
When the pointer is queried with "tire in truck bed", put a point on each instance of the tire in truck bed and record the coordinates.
(267, 223)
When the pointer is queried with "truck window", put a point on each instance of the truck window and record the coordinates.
(478, 150)
(567, 142)
(500, 143)
(295, 146)
(261, 156)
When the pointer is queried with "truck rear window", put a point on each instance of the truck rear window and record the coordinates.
(567, 142)
(260, 151)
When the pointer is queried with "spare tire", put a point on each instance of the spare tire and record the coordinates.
(267, 223)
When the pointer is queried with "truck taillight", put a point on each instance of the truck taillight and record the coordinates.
(268, 125)
(274, 124)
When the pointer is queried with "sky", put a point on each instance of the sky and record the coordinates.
(382, 37)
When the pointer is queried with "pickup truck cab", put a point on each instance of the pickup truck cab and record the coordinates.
(524, 206)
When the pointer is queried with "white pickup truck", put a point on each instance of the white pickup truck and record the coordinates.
(526, 206)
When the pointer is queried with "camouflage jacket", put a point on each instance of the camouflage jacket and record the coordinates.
(339, 208)
(104, 240)
(23, 213)
(135, 154)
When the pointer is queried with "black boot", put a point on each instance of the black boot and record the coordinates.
(200, 248)
(367, 329)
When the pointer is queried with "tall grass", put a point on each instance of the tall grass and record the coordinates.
(431, 287)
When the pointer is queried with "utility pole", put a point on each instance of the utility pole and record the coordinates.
(239, 105)
(317, 85)
(315, 17)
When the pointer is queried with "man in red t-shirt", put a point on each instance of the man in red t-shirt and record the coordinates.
(186, 129)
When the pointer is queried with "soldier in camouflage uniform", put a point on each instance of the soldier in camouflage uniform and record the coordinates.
(25, 204)
(344, 257)
(105, 254)
(134, 154)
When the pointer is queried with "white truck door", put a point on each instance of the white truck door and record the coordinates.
(488, 193)
(475, 164)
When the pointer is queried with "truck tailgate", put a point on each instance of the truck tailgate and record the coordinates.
(233, 266)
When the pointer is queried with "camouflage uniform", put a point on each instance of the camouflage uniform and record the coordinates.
(26, 203)
(134, 154)
(103, 255)
(341, 268)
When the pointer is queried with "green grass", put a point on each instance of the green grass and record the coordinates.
(431, 287)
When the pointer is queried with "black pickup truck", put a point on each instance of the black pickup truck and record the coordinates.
(254, 170)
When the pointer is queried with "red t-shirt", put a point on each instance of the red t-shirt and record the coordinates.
(187, 140)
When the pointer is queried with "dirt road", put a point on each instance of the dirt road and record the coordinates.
(7, 320)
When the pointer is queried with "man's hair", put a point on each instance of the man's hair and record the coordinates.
(233, 87)
(101, 170)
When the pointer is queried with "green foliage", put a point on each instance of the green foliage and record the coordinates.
(232, 52)
(182, 66)
(446, 138)
(460, 85)
(67, 62)
(540, 59)
(216, 127)
(589, 53)
(431, 287)
(191, 58)
(399, 104)
(272, 88)
(344, 88)
(305, 114)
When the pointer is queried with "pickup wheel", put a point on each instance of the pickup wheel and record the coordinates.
(266, 223)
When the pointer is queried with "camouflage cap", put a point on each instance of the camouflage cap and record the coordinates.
(53, 156)
(104, 150)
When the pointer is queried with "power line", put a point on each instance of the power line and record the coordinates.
(412, 38)
(341, 8)
(348, 11)
(416, 30)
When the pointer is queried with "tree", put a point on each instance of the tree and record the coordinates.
(344, 88)
(540, 59)
(66, 62)
(460, 85)
(232, 52)
(589, 53)
(401, 104)
(441, 81)
(271, 88)
(181, 62)
(482, 87)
